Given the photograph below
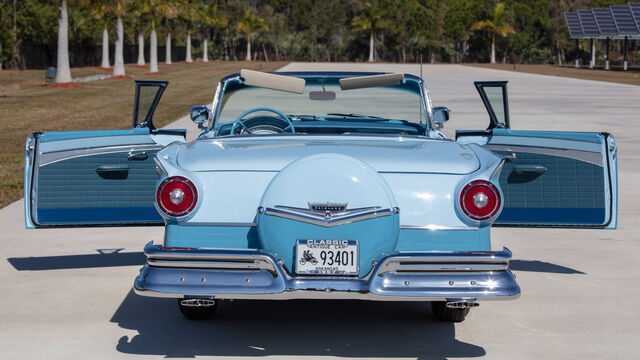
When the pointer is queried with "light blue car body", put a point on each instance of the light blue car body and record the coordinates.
(239, 243)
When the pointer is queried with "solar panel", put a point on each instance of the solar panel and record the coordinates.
(573, 24)
(588, 22)
(604, 20)
(635, 10)
(624, 20)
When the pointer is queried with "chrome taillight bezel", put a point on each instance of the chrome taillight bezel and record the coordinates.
(470, 189)
(164, 186)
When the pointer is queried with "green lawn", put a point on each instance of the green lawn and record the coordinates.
(26, 106)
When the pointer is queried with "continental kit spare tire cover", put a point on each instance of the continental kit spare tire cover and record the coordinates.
(366, 209)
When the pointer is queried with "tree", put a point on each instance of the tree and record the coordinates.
(168, 15)
(210, 18)
(497, 24)
(250, 25)
(139, 10)
(100, 12)
(459, 19)
(369, 20)
(158, 9)
(190, 15)
(63, 74)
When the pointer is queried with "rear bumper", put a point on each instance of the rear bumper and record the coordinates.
(240, 274)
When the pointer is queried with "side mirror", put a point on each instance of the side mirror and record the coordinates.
(200, 115)
(441, 115)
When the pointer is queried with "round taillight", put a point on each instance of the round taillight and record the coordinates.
(480, 200)
(177, 196)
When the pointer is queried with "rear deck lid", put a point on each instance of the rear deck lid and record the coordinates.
(396, 154)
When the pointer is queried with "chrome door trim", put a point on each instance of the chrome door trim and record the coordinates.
(594, 158)
(56, 156)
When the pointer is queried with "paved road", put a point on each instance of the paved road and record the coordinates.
(61, 298)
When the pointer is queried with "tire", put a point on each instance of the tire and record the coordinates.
(197, 312)
(443, 313)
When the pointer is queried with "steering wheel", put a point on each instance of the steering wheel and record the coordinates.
(240, 121)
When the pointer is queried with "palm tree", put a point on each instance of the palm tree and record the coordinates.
(250, 25)
(190, 14)
(158, 9)
(168, 16)
(369, 20)
(118, 9)
(210, 18)
(63, 74)
(100, 12)
(139, 9)
(496, 25)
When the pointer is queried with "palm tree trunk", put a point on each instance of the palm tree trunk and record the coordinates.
(141, 48)
(188, 57)
(105, 48)
(372, 41)
(205, 50)
(493, 49)
(167, 59)
(153, 61)
(63, 73)
(118, 61)
(248, 57)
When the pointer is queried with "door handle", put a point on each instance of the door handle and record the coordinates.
(510, 157)
(113, 172)
(529, 169)
(137, 156)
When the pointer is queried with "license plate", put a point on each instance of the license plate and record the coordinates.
(327, 257)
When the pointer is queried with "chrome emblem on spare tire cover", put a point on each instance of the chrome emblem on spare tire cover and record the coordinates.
(328, 218)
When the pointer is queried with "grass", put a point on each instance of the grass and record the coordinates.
(26, 106)
(631, 77)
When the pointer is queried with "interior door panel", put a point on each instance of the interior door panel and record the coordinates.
(549, 178)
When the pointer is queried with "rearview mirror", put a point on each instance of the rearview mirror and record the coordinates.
(441, 115)
(200, 115)
(322, 95)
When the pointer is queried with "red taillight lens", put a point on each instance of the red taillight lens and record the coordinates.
(177, 196)
(480, 200)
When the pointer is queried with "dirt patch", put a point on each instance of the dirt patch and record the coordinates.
(67, 85)
(103, 69)
(120, 77)
(154, 73)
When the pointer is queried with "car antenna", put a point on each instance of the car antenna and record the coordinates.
(420, 105)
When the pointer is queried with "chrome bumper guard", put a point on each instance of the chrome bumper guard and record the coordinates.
(248, 274)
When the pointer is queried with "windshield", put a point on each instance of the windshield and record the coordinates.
(324, 106)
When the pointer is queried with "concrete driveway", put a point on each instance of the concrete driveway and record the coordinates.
(65, 295)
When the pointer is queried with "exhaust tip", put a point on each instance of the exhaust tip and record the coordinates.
(462, 304)
(197, 302)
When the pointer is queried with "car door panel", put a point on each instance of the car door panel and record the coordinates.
(103, 177)
(99, 180)
(552, 178)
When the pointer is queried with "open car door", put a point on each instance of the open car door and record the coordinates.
(105, 177)
(549, 178)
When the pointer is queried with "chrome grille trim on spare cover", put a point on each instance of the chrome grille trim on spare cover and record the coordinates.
(327, 218)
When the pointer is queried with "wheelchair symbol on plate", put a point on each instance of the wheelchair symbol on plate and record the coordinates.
(307, 257)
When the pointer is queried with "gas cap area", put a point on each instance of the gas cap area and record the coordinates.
(328, 197)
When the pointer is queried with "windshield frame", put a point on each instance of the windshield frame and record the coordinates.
(216, 106)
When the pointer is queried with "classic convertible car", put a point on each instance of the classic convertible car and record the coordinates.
(323, 185)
